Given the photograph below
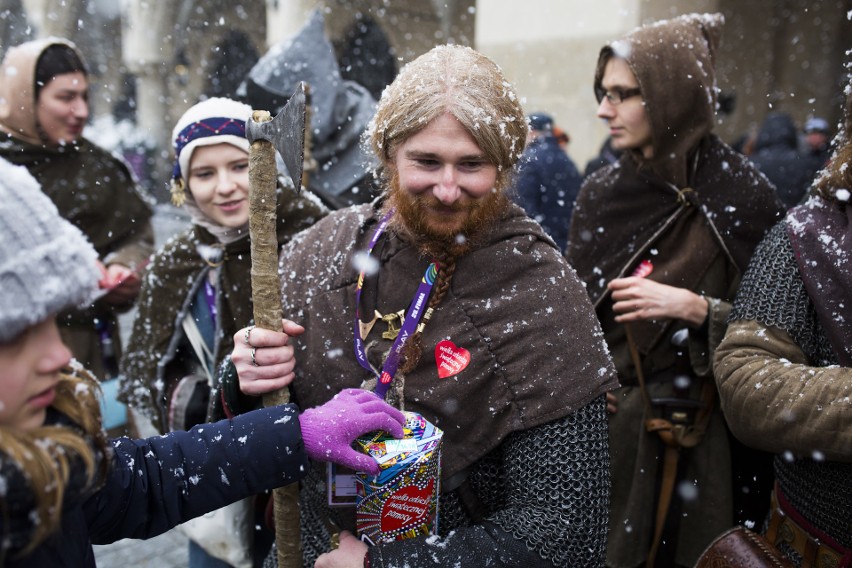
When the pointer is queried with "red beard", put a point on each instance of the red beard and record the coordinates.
(437, 229)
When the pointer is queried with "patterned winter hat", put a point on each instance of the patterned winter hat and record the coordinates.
(46, 264)
(214, 121)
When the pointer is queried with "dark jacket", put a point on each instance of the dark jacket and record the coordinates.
(777, 156)
(547, 185)
(158, 483)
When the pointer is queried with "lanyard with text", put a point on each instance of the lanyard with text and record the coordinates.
(412, 318)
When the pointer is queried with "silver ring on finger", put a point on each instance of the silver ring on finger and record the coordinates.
(247, 336)
(253, 360)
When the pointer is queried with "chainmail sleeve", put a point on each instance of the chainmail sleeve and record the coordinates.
(546, 492)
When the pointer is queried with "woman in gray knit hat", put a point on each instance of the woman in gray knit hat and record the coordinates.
(63, 485)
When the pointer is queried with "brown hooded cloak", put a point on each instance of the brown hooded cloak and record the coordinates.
(696, 210)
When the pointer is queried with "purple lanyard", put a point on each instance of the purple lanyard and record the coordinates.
(210, 296)
(412, 318)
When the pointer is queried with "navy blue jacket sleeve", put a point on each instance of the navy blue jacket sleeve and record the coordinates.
(160, 482)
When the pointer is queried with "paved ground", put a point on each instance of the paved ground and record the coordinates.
(168, 550)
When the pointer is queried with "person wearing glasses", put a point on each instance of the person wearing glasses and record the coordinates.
(660, 239)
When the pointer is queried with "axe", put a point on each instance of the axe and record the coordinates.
(286, 134)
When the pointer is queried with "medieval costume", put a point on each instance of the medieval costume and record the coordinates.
(63, 484)
(197, 293)
(693, 212)
(525, 442)
(91, 188)
(784, 369)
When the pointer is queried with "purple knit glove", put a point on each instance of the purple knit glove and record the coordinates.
(329, 430)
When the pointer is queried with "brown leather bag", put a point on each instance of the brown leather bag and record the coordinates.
(741, 548)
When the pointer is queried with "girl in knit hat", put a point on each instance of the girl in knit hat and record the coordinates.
(63, 485)
(196, 293)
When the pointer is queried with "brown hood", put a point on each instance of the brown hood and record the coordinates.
(674, 63)
(17, 88)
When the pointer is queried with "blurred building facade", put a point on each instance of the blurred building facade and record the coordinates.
(152, 59)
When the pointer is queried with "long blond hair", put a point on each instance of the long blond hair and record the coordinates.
(47, 456)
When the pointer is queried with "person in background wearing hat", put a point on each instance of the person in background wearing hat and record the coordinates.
(548, 181)
(43, 109)
(776, 154)
(817, 144)
(661, 238)
(196, 292)
(64, 484)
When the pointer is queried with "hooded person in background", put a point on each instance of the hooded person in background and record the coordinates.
(660, 239)
(339, 173)
(66, 486)
(776, 154)
(816, 144)
(548, 181)
(784, 369)
(43, 109)
(196, 292)
(525, 472)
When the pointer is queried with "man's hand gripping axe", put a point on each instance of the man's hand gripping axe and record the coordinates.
(286, 134)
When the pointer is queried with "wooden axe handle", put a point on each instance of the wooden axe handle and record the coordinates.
(266, 294)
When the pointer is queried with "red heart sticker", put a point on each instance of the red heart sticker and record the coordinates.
(407, 508)
(451, 360)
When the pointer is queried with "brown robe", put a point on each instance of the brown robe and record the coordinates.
(696, 210)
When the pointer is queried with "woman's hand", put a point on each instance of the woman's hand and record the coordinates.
(350, 554)
(121, 284)
(636, 299)
(263, 358)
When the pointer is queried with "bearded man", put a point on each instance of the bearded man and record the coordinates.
(525, 462)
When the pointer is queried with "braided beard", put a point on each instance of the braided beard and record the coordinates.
(438, 230)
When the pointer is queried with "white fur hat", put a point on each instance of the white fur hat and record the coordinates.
(46, 264)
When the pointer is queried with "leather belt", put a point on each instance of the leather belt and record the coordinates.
(783, 529)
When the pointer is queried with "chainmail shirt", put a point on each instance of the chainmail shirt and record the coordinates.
(773, 294)
(532, 519)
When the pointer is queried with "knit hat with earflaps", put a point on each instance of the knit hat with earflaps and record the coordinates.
(46, 264)
(214, 121)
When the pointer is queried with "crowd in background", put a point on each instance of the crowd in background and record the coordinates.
(656, 349)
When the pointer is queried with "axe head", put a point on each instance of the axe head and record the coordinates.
(286, 133)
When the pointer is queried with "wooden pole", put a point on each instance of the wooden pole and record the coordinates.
(266, 294)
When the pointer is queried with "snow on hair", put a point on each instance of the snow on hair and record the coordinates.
(464, 83)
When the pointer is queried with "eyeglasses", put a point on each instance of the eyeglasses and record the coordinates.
(616, 96)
